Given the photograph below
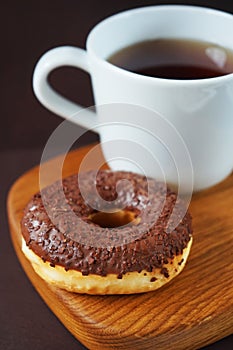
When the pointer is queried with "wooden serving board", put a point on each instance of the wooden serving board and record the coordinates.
(193, 310)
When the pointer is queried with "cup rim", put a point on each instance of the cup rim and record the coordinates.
(164, 7)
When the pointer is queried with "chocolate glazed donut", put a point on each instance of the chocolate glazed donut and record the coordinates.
(115, 251)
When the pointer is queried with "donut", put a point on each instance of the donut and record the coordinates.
(113, 238)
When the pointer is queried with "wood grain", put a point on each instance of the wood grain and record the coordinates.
(193, 310)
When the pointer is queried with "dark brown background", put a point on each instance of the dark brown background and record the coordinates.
(28, 29)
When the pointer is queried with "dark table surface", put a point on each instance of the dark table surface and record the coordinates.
(30, 28)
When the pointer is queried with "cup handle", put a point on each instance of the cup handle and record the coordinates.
(54, 58)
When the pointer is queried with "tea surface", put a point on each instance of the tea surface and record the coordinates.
(175, 59)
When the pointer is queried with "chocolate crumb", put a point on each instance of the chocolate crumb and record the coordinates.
(153, 279)
(181, 261)
(164, 271)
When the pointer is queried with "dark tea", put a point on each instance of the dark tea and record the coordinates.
(175, 59)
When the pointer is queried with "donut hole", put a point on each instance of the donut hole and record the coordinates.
(114, 219)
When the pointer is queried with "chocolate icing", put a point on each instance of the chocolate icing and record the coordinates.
(56, 239)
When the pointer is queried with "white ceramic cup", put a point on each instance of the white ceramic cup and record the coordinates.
(201, 111)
